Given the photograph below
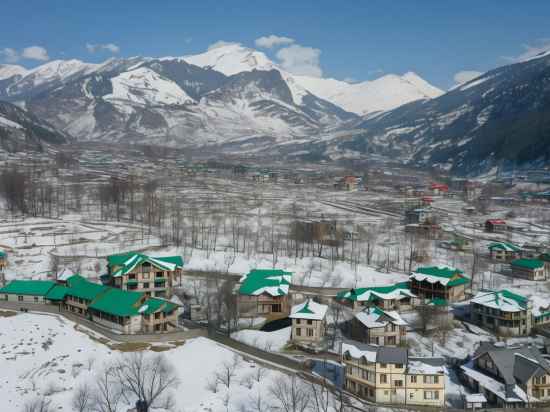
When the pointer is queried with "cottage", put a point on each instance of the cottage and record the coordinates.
(509, 377)
(388, 375)
(439, 282)
(504, 251)
(155, 276)
(532, 269)
(26, 291)
(475, 401)
(377, 327)
(349, 183)
(504, 312)
(394, 297)
(264, 292)
(495, 226)
(308, 323)
(419, 215)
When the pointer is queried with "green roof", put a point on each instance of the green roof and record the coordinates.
(545, 257)
(510, 247)
(272, 281)
(463, 280)
(528, 263)
(81, 288)
(353, 294)
(3, 254)
(125, 263)
(28, 287)
(153, 305)
(58, 292)
(440, 272)
(522, 300)
(118, 302)
(439, 302)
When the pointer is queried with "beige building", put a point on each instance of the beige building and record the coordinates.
(531, 269)
(388, 375)
(308, 323)
(154, 276)
(265, 292)
(376, 327)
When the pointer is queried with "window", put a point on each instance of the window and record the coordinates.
(298, 332)
(145, 275)
(399, 366)
(430, 395)
(157, 315)
(20, 298)
(309, 322)
(36, 299)
(383, 378)
(298, 321)
(160, 274)
(146, 285)
(413, 379)
(398, 383)
(436, 379)
(5, 297)
(430, 379)
(310, 332)
(131, 276)
(383, 365)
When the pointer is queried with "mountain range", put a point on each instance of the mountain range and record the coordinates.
(235, 98)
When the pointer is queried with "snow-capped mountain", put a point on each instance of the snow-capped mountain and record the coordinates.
(500, 118)
(10, 70)
(384, 93)
(21, 130)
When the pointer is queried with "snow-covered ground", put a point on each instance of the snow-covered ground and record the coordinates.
(43, 355)
(270, 341)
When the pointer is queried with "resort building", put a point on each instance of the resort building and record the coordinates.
(388, 375)
(439, 283)
(531, 269)
(308, 323)
(504, 251)
(373, 325)
(503, 312)
(393, 297)
(123, 311)
(508, 377)
(265, 292)
(154, 276)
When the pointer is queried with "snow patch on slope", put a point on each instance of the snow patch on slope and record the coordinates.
(10, 70)
(8, 123)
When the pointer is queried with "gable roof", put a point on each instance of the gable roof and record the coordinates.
(125, 263)
(153, 305)
(528, 263)
(308, 310)
(118, 302)
(503, 300)
(397, 291)
(57, 293)
(377, 318)
(28, 287)
(274, 282)
(445, 275)
(496, 221)
(82, 288)
(506, 246)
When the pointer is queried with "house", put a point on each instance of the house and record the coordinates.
(504, 251)
(439, 189)
(545, 257)
(394, 297)
(377, 327)
(419, 215)
(503, 312)
(264, 292)
(532, 269)
(3, 260)
(123, 311)
(349, 183)
(509, 377)
(495, 226)
(439, 282)
(541, 310)
(155, 276)
(308, 323)
(388, 375)
(27, 291)
(475, 401)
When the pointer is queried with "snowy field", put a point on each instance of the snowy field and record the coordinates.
(42, 355)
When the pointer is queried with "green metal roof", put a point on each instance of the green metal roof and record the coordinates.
(353, 294)
(118, 302)
(504, 246)
(273, 281)
(440, 272)
(84, 289)
(28, 287)
(58, 292)
(528, 263)
(438, 302)
(3, 254)
(125, 263)
(153, 305)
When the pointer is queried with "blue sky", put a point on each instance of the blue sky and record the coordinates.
(356, 40)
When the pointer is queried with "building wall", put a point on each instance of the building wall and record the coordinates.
(23, 298)
(263, 305)
(503, 323)
(383, 336)
(145, 277)
(159, 322)
(316, 329)
(531, 274)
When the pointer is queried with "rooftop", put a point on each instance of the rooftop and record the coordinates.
(397, 291)
(125, 263)
(274, 282)
(28, 287)
(528, 263)
(309, 310)
(503, 300)
(445, 275)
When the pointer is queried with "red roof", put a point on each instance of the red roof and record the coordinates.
(427, 199)
(440, 186)
(496, 221)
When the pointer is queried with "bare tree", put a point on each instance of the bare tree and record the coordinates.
(228, 371)
(82, 399)
(426, 315)
(108, 393)
(291, 393)
(37, 405)
(148, 378)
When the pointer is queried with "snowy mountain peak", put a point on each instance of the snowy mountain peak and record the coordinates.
(10, 70)
(232, 59)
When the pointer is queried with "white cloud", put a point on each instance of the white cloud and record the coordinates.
(110, 47)
(531, 50)
(9, 55)
(35, 53)
(221, 43)
(464, 76)
(272, 40)
(300, 60)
